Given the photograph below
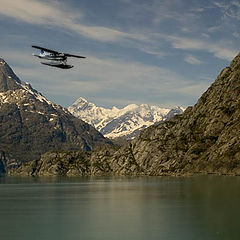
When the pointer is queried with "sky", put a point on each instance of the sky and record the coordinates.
(157, 52)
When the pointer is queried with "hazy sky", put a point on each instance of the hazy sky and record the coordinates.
(161, 52)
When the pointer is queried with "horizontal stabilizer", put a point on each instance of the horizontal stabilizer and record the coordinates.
(71, 55)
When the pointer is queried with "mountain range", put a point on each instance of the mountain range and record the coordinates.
(31, 125)
(205, 139)
(125, 122)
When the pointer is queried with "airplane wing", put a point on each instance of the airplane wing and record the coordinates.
(71, 55)
(45, 49)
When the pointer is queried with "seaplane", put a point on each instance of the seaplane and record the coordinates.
(54, 58)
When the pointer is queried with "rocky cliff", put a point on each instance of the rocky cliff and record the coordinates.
(204, 139)
(31, 125)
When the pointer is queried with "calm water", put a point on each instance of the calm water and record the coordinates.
(120, 208)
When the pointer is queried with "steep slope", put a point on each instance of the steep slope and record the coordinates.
(31, 125)
(204, 139)
(8, 79)
(126, 122)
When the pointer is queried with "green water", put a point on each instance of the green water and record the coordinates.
(146, 208)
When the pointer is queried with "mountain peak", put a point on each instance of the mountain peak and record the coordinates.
(81, 99)
(131, 107)
(8, 79)
(33, 124)
(82, 104)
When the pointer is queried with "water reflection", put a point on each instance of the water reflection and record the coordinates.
(120, 208)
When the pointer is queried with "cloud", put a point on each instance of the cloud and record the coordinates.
(189, 19)
(214, 29)
(55, 14)
(194, 89)
(236, 35)
(192, 60)
(230, 9)
(31, 11)
(60, 15)
(205, 35)
(108, 81)
(218, 49)
(17, 56)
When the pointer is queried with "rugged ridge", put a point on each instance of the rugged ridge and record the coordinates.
(124, 122)
(31, 125)
(204, 139)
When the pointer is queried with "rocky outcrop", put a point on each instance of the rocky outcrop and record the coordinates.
(31, 125)
(100, 162)
(204, 139)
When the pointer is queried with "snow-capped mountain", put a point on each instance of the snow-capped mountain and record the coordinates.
(32, 125)
(124, 122)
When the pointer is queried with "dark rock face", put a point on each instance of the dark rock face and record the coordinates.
(8, 79)
(204, 139)
(2, 165)
(30, 125)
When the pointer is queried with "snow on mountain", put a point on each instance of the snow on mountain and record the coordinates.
(32, 124)
(9, 81)
(124, 122)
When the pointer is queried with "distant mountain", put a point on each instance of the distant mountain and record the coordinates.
(31, 125)
(126, 122)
